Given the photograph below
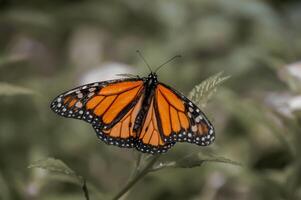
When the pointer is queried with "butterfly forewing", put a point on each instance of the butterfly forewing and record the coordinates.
(102, 104)
(180, 119)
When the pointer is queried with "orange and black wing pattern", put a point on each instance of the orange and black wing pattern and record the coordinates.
(180, 120)
(172, 118)
(137, 113)
(150, 138)
(110, 106)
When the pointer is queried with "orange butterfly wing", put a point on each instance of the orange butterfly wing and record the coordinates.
(109, 106)
(150, 140)
(172, 118)
(121, 133)
(180, 119)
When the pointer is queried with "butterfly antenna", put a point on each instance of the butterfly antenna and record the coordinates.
(158, 68)
(140, 54)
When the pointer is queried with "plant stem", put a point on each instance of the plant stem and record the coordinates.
(85, 189)
(138, 176)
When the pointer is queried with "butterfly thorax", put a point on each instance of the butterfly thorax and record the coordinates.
(150, 84)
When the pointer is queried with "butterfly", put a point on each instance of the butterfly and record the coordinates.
(140, 113)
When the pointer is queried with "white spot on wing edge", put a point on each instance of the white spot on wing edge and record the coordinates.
(78, 104)
(80, 95)
(92, 89)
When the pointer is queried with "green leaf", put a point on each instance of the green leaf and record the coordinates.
(11, 90)
(194, 160)
(56, 166)
(202, 93)
(65, 173)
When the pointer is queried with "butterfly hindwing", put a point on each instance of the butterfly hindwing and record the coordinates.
(122, 133)
(150, 140)
(180, 119)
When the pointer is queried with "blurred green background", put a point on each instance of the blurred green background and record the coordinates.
(50, 46)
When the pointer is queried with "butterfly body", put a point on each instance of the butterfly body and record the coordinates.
(139, 113)
(150, 84)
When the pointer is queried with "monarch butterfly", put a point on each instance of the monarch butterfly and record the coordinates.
(139, 113)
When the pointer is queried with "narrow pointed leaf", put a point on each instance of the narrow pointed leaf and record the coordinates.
(194, 160)
(203, 92)
(55, 166)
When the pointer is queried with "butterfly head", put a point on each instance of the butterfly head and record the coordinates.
(152, 75)
(152, 78)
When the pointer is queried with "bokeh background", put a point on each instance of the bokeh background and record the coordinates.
(50, 46)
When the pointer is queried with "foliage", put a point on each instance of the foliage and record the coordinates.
(193, 160)
(201, 93)
(56, 166)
